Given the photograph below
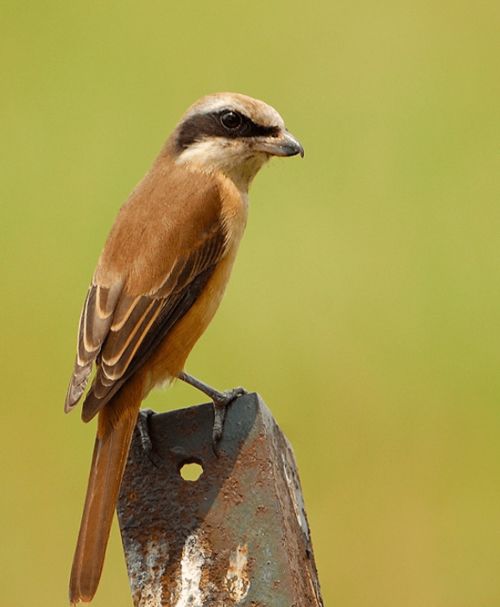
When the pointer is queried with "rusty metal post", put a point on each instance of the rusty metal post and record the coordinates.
(236, 536)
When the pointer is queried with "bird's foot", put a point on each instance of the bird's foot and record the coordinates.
(143, 427)
(221, 402)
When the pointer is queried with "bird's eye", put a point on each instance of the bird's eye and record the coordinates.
(231, 120)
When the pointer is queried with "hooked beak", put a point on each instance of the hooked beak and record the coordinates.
(284, 144)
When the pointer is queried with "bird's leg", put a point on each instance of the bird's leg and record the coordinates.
(220, 400)
(145, 434)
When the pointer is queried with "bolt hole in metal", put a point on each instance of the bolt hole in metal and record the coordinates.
(191, 470)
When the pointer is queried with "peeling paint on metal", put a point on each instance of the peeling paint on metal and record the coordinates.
(194, 556)
(236, 537)
(237, 581)
(146, 582)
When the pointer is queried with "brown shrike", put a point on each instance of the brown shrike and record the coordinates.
(158, 283)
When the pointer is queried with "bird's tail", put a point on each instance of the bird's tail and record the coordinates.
(108, 463)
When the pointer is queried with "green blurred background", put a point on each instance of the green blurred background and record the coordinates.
(364, 303)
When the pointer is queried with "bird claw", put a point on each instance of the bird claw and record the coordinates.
(145, 435)
(221, 403)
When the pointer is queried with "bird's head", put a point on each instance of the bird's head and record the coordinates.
(232, 133)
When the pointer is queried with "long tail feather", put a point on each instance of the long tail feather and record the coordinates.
(108, 463)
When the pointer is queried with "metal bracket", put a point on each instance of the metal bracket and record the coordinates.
(236, 536)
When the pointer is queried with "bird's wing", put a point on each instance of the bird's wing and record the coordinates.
(120, 327)
(95, 321)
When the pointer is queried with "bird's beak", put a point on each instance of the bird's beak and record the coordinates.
(284, 144)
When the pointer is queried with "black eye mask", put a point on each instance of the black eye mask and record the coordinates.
(223, 123)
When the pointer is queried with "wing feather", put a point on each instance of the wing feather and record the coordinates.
(95, 321)
(154, 327)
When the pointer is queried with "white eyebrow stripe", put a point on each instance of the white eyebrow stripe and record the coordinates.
(214, 104)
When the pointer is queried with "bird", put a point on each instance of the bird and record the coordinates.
(158, 283)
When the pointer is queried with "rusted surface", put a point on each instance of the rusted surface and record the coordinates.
(236, 536)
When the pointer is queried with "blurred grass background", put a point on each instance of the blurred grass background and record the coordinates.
(364, 303)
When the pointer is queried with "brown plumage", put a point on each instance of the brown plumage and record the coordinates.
(157, 285)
